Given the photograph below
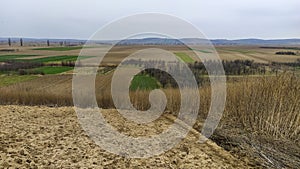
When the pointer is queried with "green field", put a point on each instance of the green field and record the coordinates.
(184, 57)
(53, 70)
(144, 82)
(4, 58)
(203, 51)
(6, 80)
(60, 48)
(56, 58)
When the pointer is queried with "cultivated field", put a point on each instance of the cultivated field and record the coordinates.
(255, 53)
(259, 128)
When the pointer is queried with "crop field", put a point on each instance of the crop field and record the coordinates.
(57, 59)
(53, 69)
(256, 53)
(184, 57)
(32, 58)
(54, 59)
(4, 58)
(14, 79)
(118, 53)
(144, 82)
(255, 102)
(60, 48)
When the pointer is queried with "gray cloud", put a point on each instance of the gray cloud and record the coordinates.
(217, 19)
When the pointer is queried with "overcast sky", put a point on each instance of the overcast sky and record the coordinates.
(231, 19)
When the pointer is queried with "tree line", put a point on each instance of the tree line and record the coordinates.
(285, 53)
(236, 67)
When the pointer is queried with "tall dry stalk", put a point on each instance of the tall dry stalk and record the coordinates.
(270, 105)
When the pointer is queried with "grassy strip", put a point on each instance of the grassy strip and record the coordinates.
(203, 51)
(53, 70)
(56, 58)
(13, 79)
(144, 82)
(4, 58)
(184, 57)
(60, 48)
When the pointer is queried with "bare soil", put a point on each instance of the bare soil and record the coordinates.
(43, 137)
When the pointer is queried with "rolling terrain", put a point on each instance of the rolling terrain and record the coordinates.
(252, 132)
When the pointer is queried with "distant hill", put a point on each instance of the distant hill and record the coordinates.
(195, 41)
(165, 41)
(257, 42)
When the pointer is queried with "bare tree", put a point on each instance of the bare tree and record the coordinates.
(9, 42)
(21, 41)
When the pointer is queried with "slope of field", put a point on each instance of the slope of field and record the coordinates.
(13, 79)
(4, 58)
(144, 82)
(184, 57)
(60, 48)
(53, 69)
(39, 137)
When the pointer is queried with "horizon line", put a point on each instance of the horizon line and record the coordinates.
(230, 39)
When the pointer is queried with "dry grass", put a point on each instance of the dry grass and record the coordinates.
(268, 105)
(262, 104)
(261, 121)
